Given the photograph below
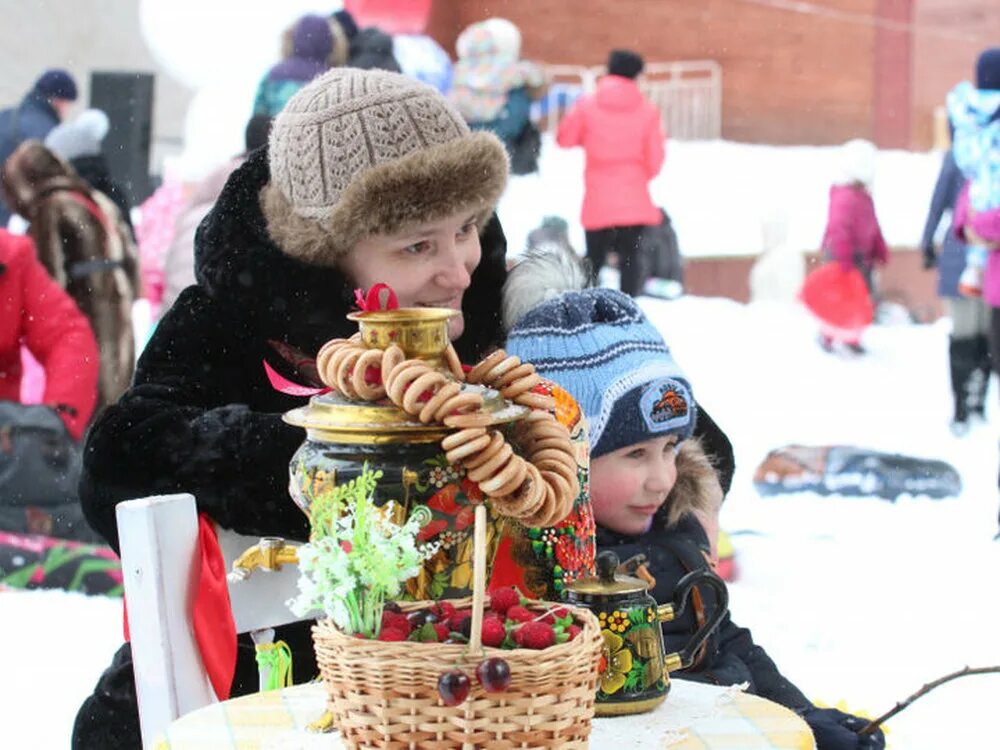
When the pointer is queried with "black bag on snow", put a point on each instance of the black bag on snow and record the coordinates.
(662, 251)
(39, 472)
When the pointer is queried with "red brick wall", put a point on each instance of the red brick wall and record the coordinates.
(844, 69)
(948, 37)
(787, 77)
(893, 62)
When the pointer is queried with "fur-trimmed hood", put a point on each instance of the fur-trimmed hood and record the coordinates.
(696, 490)
(697, 486)
(278, 297)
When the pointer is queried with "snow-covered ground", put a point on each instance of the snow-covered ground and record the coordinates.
(857, 600)
(718, 193)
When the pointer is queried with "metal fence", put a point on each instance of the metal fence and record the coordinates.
(688, 95)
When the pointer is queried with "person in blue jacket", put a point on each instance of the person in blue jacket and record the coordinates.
(46, 105)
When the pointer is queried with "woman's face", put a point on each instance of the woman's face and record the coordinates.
(427, 265)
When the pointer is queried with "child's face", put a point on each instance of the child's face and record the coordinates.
(628, 486)
(427, 265)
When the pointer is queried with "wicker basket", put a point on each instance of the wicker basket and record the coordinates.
(384, 694)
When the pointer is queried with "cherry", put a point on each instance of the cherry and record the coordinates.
(493, 674)
(453, 687)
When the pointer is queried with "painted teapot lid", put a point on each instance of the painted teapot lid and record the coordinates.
(608, 582)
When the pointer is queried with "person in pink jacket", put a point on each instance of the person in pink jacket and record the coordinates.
(853, 237)
(623, 141)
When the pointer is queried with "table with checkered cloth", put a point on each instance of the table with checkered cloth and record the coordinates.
(694, 717)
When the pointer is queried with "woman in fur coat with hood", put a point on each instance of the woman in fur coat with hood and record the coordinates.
(368, 177)
(85, 245)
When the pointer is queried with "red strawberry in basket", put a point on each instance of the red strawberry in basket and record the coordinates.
(444, 611)
(493, 632)
(503, 599)
(396, 620)
(392, 634)
(535, 634)
(520, 614)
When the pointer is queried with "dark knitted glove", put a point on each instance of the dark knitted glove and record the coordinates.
(930, 258)
(835, 730)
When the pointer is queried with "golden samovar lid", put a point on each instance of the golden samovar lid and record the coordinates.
(421, 333)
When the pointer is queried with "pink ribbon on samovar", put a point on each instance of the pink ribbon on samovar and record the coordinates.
(367, 302)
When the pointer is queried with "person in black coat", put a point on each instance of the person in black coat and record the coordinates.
(968, 346)
(654, 489)
(41, 109)
(368, 176)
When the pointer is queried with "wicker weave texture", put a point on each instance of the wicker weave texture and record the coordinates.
(384, 694)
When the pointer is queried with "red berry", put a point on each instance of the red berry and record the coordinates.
(573, 631)
(560, 612)
(453, 687)
(392, 634)
(493, 632)
(493, 674)
(442, 631)
(444, 611)
(503, 599)
(519, 614)
(396, 620)
(536, 635)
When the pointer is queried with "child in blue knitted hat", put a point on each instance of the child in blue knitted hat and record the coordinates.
(653, 488)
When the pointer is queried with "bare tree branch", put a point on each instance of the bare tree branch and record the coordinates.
(965, 672)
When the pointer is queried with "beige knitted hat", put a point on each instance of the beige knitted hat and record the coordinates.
(363, 152)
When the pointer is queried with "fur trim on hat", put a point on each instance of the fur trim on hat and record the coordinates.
(425, 185)
(696, 487)
(543, 273)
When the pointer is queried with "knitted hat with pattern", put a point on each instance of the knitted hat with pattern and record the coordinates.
(598, 345)
(366, 152)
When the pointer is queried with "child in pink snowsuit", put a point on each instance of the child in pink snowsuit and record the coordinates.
(853, 237)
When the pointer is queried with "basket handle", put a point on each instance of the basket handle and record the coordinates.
(478, 579)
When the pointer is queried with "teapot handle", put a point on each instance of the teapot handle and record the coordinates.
(667, 612)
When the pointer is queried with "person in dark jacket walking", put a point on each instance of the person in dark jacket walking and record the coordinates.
(397, 191)
(80, 142)
(654, 489)
(41, 109)
(968, 345)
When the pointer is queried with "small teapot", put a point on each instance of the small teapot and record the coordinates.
(634, 668)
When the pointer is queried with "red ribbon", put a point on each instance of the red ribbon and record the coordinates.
(212, 615)
(214, 627)
(372, 301)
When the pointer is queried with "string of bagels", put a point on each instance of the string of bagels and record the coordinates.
(537, 490)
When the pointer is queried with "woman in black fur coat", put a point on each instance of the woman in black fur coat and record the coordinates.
(368, 176)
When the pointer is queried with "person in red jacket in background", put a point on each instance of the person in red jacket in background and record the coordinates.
(35, 311)
(623, 141)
